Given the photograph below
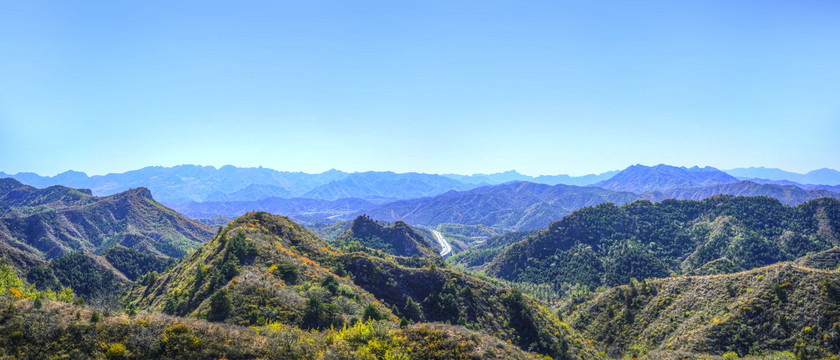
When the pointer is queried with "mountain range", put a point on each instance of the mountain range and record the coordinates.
(385, 185)
(518, 205)
(513, 175)
(194, 183)
(290, 207)
(428, 199)
(822, 176)
(184, 183)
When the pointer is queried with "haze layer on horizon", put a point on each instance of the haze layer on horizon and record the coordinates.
(434, 87)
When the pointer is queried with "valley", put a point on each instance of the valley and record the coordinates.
(446, 249)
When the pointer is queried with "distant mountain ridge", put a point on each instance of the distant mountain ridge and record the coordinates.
(184, 183)
(822, 176)
(513, 175)
(252, 192)
(386, 185)
(196, 183)
(288, 207)
(640, 178)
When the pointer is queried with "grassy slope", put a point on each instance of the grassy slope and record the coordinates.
(61, 330)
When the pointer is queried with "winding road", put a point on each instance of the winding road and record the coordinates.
(446, 249)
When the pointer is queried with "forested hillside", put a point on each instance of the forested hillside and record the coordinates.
(609, 245)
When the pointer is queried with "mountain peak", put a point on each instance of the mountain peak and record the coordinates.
(639, 178)
(398, 239)
(9, 184)
(139, 192)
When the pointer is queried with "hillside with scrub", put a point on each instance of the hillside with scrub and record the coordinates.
(783, 309)
(53, 325)
(264, 269)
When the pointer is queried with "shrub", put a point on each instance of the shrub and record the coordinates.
(116, 351)
(371, 313)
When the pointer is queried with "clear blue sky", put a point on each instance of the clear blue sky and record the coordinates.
(548, 87)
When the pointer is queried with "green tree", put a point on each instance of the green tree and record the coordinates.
(371, 313)
(220, 306)
(412, 310)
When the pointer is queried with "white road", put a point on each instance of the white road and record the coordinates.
(446, 249)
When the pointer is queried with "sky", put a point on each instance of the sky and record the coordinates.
(543, 87)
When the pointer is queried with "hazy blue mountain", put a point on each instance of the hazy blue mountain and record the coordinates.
(192, 183)
(386, 185)
(317, 208)
(513, 175)
(640, 178)
(516, 205)
(822, 176)
(786, 194)
(832, 188)
(252, 192)
(574, 180)
(184, 183)
(490, 179)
